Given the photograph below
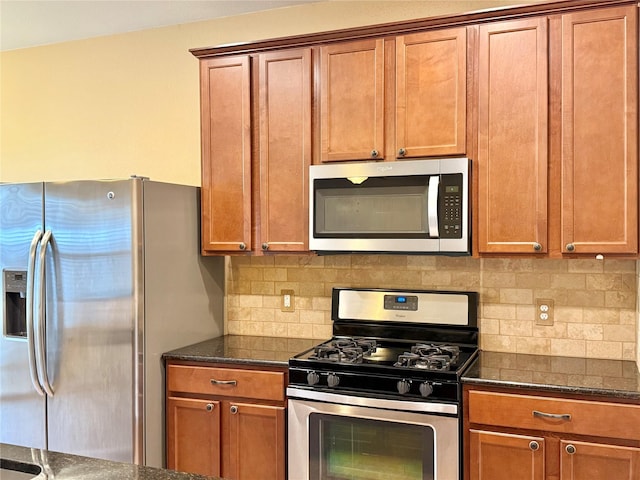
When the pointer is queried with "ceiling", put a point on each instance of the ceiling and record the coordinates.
(28, 23)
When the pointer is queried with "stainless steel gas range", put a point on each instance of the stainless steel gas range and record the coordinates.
(382, 398)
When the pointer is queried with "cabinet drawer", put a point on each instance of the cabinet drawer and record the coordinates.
(581, 417)
(226, 382)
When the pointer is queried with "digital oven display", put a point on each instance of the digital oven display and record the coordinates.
(401, 302)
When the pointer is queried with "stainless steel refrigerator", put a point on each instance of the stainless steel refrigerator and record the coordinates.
(99, 278)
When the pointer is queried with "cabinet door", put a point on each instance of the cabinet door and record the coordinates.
(512, 137)
(501, 456)
(226, 154)
(255, 442)
(352, 101)
(193, 436)
(580, 460)
(600, 131)
(431, 93)
(285, 149)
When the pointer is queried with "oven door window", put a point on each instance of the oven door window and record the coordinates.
(345, 448)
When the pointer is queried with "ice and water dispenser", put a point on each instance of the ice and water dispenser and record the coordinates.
(14, 291)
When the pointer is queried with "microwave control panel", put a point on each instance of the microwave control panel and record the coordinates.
(450, 208)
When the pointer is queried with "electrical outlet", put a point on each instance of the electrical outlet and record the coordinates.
(544, 311)
(287, 303)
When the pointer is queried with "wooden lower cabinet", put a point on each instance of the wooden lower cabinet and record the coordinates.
(189, 419)
(211, 432)
(254, 433)
(503, 456)
(511, 435)
(596, 461)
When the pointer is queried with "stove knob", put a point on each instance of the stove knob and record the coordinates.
(333, 380)
(426, 389)
(312, 378)
(403, 386)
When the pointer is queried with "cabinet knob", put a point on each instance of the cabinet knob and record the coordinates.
(209, 407)
(533, 445)
(570, 449)
(570, 247)
(234, 409)
(537, 247)
(242, 246)
(402, 152)
(374, 153)
(265, 246)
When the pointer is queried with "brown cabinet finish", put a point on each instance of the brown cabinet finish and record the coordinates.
(189, 419)
(431, 70)
(254, 430)
(600, 131)
(580, 460)
(513, 433)
(227, 422)
(504, 456)
(352, 101)
(512, 158)
(226, 154)
(285, 149)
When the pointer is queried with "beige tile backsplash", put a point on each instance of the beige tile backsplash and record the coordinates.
(595, 314)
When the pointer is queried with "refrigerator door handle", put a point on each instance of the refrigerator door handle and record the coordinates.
(41, 336)
(31, 347)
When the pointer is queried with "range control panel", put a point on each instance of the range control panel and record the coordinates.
(401, 302)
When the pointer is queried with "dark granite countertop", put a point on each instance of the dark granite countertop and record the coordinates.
(586, 376)
(243, 349)
(60, 466)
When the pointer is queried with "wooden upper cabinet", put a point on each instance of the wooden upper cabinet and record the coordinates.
(600, 131)
(502, 456)
(352, 101)
(594, 461)
(512, 137)
(226, 153)
(285, 149)
(431, 93)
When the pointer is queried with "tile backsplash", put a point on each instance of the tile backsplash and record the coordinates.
(595, 301)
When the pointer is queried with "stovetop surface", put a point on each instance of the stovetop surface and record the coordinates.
(383, 359)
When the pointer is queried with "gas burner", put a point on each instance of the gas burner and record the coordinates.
(368, 345)
(430, 362)
(343, 354)
(452, 352)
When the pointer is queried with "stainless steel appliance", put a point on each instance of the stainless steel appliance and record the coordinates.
(416, 206)
(99, 278)
(382, 398)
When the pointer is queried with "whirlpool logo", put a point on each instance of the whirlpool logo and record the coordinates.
(384, 168)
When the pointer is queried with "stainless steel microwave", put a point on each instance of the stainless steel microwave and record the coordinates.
(413, 206)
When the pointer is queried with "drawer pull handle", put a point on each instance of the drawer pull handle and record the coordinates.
(223, 382)
(553, 416)
(234, 409)
(209, 407)
(533, 445)
(570, 449)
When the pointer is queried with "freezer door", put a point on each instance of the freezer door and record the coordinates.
(90, 318)
(22, 409)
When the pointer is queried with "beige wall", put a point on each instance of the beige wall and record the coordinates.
(127, 104)
(595, 301)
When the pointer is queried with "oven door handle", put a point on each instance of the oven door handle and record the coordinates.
(402, 405)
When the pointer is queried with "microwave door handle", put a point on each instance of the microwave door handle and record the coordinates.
(432, 205)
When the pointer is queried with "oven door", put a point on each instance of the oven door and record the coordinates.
(343, 437)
